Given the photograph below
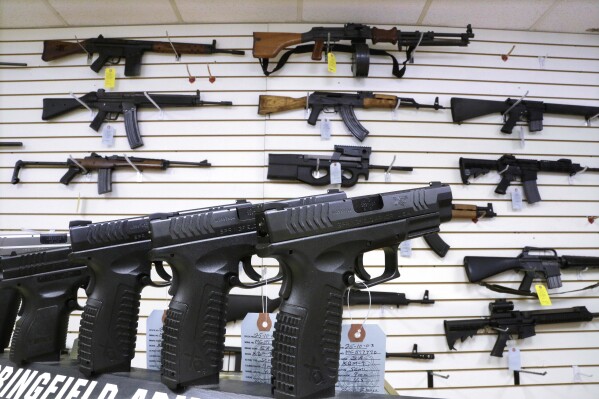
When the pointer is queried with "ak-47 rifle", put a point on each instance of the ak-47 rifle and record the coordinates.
(111, 105)
(343, 103)
(459, 211)
(514, 110)
(269, 44)
(112, 50)
(354, 161)
(104, 166)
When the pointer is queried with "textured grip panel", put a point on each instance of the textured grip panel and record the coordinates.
(108, 331)
(194, 339)
(9, 306)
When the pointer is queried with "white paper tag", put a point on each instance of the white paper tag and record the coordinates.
(154, 339)
(513, 359)
(387, 177)
(139, 177)
(108, 136)
(516, 199)
(335, 173)
(522, 138)
(405, 249)
(362, 364)
(256, 349)
(576, 374)
(325, 128)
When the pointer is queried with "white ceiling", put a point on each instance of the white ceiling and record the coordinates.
(576, 16)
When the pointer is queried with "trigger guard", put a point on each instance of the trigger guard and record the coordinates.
(361, 270)
(246, 264)
(147, 281)
(259, 283)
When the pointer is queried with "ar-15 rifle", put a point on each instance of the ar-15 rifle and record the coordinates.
(269, 44)
(241, 305)
(526, 170)
(508, 322)
(110, 105)
(459, 211)
(514, 110)
(354, 162)
(104, 166)
(204, 248)
(545, 266)
(48, 284)
(343, 103)
(112, 50)
(320, 249)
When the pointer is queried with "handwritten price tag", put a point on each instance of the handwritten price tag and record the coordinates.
(109, 78)
(543, 295)
(332, 63)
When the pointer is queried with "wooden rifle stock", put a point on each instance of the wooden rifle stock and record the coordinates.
(381, 101)
(55, 49)
(269, 44)
(273, 104)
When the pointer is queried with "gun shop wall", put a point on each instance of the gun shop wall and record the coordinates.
(560, 68)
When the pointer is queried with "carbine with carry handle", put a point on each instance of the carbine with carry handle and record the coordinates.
(104, 165)
(320, 249)
(535, 262)
(510, 168)
(354, 162)
(514, 110)
(111, 51)
(509, 323)
(111, 104)
(269, 44)
(343, 103)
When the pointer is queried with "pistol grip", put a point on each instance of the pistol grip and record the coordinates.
(317, 50)
(40, 334)
(99, 62)
(510, 123)
(500, 344)
(9, 306)
(316, 110)
(506, 181)
(108, 327)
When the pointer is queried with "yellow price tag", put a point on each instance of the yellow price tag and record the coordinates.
(109, 78)
(332, 62)
(543, 295)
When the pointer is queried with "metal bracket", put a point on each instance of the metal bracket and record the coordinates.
(431, 374)
(517, 374)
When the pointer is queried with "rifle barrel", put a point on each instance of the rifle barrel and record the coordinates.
(401, 168)
(215, 103)
(203, 163)
(225, 51)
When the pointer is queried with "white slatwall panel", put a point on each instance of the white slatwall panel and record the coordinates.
(237, 140)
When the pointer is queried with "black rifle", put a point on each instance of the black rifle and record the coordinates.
(112, 50)
(269, 44)
(545, 266)
(110, 105)
(459, 211)
(354, 162)
(320, 249)
(412, 355)
(241, 305)
(514, 110)
(104, 165)
(512, 169)
(48, 284)
(204, 248)
(343, 103)
(116, 254)
(509, 323)
(11, 144)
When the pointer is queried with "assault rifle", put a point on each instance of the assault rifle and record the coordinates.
(269, 44)
(514, 110)
(511, 169)
(459, 211)
(112, 50)
(241, 305)
(353, 161)
(343, 103)
(509, 323)
(110, 105)
(48, 284)
(320, 248)
(545, 266)
(104, 166)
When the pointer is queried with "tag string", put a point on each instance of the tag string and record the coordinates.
(131, 163)
(80, 101)
(414, 51)
(177, 55)
(83, 170)
(154, 103)
(369, 305)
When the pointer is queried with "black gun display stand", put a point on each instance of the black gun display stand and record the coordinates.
(140, 379)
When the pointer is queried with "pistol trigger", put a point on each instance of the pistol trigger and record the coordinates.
(360, 269)
(286, 284)
(161, 271)
(246, 263)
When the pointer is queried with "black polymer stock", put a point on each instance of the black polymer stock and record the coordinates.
(526, 170)
(320, 248)
(510, 324)
(48, 283)
(543, 263)
(111, 104)
(116, 254)
(514, 110)
(204, 248)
